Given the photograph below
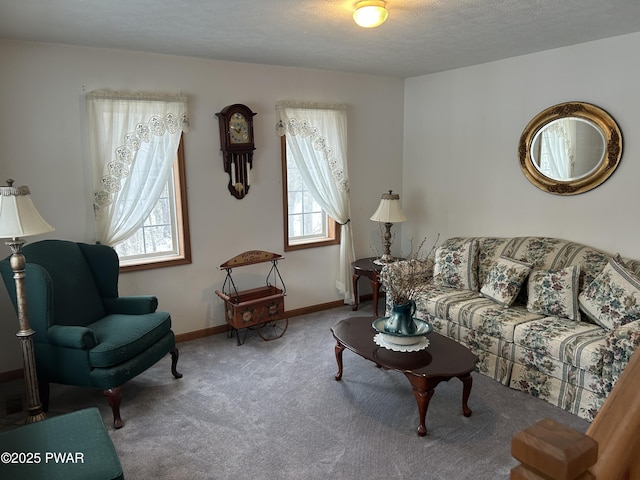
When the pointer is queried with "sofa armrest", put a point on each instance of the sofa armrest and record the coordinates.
(621, 343)
(134, 305)
(71, 336)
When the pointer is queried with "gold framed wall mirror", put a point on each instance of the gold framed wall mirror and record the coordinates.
(570, 148)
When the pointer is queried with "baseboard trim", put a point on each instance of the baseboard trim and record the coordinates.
(206, 332)
(11, 375)
(314, 308)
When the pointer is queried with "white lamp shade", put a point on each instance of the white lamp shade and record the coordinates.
(389, 209)
(18, 214)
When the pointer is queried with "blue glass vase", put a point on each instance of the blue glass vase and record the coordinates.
(401, 319)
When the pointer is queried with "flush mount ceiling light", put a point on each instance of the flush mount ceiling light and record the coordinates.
(370, 13)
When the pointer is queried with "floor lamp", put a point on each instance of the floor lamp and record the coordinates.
(19, 218)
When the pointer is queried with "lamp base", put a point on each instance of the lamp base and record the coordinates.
(35, 417)
(25, 334)
(35, 411)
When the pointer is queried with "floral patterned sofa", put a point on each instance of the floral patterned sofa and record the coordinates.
(557, 319)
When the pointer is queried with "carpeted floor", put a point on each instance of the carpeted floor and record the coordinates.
(272, 410)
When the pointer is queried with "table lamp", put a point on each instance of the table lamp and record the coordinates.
(388, 212)
(19, 218)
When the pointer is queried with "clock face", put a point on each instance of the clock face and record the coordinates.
(238, 129)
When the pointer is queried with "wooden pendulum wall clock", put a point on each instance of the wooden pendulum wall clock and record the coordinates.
(237, 145)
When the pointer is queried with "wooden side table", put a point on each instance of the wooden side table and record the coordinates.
(366, 267)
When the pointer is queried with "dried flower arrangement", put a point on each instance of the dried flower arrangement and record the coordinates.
(404, 279)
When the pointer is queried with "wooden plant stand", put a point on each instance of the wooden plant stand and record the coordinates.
(259, 308)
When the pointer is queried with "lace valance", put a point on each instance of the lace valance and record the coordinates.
(299, 125)
(171, 107)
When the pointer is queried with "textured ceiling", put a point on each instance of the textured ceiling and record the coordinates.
(419, 37)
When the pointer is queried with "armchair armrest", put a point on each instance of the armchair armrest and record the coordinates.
(72, 336)
(134, 305)
(620, 344)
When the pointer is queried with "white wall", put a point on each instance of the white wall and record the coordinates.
(44, 145)
(461, 174)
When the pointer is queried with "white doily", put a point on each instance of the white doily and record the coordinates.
(380, 340)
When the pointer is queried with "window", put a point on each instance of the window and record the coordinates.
(306, 225)
(139, 189)
(163, 239)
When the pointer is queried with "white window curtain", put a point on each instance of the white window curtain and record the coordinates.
(134, 138)
(557, 156)
(316, 136)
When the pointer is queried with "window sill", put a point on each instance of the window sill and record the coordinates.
(149, 263)
(324, 242)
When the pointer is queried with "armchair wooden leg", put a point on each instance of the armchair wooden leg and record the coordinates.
(174, 363)
(114, 396)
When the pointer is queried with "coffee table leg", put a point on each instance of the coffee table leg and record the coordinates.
(339, 349)
(467, 383)
(423, 392)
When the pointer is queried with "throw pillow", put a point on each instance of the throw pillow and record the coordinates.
(505, 280)
(613, 298)
(554, 293)
(457, 266)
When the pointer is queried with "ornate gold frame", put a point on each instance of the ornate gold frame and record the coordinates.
(612, 155)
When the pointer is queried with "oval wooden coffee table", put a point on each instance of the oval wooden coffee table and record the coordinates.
(442, 360)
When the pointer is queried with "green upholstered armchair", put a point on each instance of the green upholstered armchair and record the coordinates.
(85, 334)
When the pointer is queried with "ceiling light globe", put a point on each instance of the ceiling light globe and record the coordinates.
(370, 14)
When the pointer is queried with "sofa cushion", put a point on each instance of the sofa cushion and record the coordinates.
(491, 249)
(495, 355)
(613, 298)
(485, 316)
(554, 293)
(588, 378)
(542, 252)
(479, 341)
(435, 300)
(504, 280)
(456, 266)
(554, 254)
(630, 264)
(121, 337)
(576, 343)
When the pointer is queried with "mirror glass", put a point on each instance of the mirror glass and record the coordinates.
(570, 148)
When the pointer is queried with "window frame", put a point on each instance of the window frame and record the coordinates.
(333, 228)
(183, 256)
